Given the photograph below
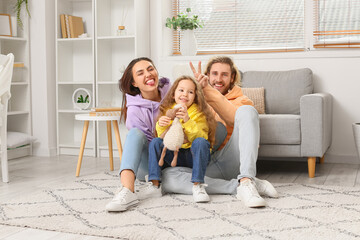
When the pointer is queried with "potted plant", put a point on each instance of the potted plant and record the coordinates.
(18, 6)
(81, 98)
(187, 24)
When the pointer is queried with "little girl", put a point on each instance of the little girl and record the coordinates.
(199, 129)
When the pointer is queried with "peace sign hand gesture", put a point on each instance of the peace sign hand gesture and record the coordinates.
(202, 79)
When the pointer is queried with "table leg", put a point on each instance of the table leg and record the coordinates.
(108, 126)
(117, 137)
(82, 146)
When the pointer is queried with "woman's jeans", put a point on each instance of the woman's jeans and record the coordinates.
(236, 160)
(196, 157)
(135, 153)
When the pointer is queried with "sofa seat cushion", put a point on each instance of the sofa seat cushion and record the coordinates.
(280, 129)
(283, 89)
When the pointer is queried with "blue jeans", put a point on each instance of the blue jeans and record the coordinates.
(135, 154)
(197, 157)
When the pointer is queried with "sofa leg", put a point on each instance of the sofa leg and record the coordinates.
(311, 166)
(322, 159)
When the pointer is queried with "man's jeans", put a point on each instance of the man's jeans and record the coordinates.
(197, 157)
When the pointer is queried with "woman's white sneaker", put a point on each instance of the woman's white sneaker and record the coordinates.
(123, 200)
(199, 193)
(265, 188)
(248, 194)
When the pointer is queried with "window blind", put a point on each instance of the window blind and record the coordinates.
(239, 26)
(337, 23)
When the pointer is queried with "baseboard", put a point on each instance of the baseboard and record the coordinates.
(44, 152)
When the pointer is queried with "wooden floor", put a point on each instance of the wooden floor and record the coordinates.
(31, 173)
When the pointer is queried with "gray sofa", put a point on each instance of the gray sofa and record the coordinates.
(298, 122)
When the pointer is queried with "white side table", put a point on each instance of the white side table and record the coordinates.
(115, 120)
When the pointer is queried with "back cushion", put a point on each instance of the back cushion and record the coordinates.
(283, 89)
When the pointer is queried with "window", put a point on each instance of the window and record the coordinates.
(337, 23)
(236, 26)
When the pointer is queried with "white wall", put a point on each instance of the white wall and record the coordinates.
(335, 71)
(42, 58)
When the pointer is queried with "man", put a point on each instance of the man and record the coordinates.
(237, 156)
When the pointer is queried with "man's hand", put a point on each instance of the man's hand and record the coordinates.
(164, 121)
(183, 114)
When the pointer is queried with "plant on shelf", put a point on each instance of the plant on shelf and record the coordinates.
(82, 100)
(18, 6)
(184, 22)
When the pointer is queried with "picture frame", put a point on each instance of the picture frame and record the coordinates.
(5, 25)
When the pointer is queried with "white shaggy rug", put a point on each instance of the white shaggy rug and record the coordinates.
(301, 212)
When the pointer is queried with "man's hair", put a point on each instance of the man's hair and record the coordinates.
(235, 74)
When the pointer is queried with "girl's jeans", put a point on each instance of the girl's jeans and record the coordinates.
(135, 153)
(197, 157)
(235, 161)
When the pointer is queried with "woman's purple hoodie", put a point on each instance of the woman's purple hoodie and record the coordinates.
(141, 113)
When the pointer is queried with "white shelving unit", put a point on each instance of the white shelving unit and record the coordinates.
(19, 109)
(94, 63)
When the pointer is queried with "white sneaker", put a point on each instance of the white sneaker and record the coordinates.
(248, 194)
(265, 188)
(199, 193)
(122, 200)
(148, 190)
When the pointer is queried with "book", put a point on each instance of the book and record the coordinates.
(67, 25)
(63, 26)
(111, 109)
(76, 26)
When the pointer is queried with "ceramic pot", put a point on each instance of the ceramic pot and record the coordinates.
(188, 46)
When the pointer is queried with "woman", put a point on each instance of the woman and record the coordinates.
(142, 93)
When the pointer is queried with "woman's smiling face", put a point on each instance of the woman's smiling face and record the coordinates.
(146, 77)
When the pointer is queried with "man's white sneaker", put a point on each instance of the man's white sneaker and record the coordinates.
(248, 194)
(199, 193)
(148, 190)
(122, 200)
(265, 188)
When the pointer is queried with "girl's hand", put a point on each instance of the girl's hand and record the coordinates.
(164, 121)
(182, 113)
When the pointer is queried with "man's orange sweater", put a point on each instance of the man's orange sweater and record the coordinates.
(224, 106)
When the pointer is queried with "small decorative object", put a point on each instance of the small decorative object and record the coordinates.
(356, 132)
(81, 99)
(84, 35)
(187, 24)
(17, 7)
(121, 31)
(5, 25)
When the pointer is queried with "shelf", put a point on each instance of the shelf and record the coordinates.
(19, 83)
(75, 83)
(19, 39)
(12, 113)
(73, 111)
(76, 145)
(73, 39)
(108, 83)
(116, 37)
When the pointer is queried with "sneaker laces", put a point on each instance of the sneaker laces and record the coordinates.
(251, 187)
(200, 188)
(120, 194)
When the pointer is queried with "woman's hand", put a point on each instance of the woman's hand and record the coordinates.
(182, 113)
(202, 79)
(164, 121)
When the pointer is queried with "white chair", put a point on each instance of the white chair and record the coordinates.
(6, 71)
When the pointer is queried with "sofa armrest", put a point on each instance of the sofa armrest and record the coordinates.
(316, 124)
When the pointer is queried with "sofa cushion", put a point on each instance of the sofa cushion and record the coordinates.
(280, 129)
(257, 96)
(283, 89)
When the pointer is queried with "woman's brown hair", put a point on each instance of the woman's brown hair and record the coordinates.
(126, 84)
(203, 107)
(235, 74)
